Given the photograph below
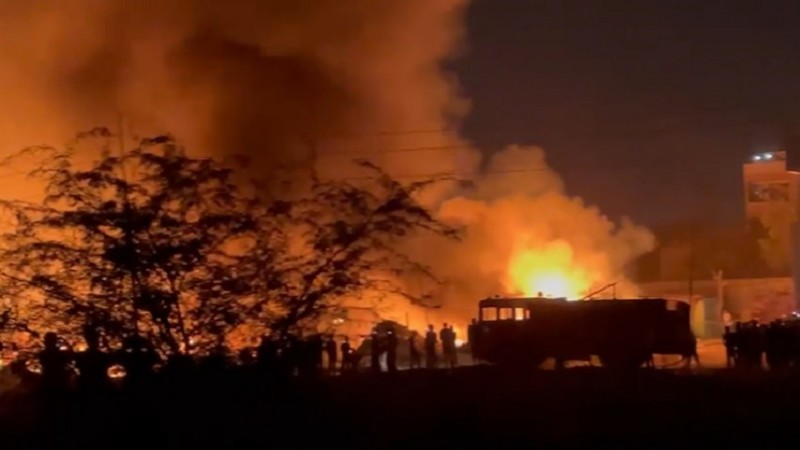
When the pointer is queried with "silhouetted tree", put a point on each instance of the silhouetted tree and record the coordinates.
(128, 242)
(340, 242)
(174, 248)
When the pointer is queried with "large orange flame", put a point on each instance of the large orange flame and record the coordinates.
(548, 270)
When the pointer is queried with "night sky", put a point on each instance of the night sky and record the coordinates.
(647, 108)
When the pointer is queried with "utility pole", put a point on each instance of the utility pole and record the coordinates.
(691, 265)
(718, 311)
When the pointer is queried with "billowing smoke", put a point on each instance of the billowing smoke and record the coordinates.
(524, 235)
(277, 80)
(288, 82)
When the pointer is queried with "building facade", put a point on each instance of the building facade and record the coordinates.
(712, 300)
(772, 195)
(770, 187)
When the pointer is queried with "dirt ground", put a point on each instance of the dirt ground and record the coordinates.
(711, 353)
(470, 407)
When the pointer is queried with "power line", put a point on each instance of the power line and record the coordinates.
(455, 174)
(422, 131)
(399, 150)
(741, 123)
(390, 133)
(580, 136)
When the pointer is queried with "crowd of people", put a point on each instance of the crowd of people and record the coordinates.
(278, 355)
(748, 345)
(751, 344)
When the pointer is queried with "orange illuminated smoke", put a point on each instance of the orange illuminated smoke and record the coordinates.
(549, 270)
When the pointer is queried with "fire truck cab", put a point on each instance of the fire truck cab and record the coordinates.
(620, 332)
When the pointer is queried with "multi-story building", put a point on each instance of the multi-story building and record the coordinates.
(770, 187)
(772, 195)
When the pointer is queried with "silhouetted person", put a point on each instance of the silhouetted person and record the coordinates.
(414, 356)
(730, 349)
(750, 345)
(93, 363)
(430, 348)
(452, 350)
(179, 367)
(55, 364)
(268, 356)
(315, 348)
(296, 353)
(391, 351)
(290, 356)
(447, 336)
(139, 358)
(347, 355)
(472, 333)
(217, 361)
(375, 352)
(793, 346)
(330, 350)
(691, 354)
(27, 380)
(778, 345)
(308, 353)
(246, 357)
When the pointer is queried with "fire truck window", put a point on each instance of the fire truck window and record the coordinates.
(506, 313)
(489, 314)
(519, 313)
(527, 314)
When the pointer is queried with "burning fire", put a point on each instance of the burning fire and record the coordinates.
(549, 270)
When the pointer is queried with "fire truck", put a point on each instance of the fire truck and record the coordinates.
(621, 333)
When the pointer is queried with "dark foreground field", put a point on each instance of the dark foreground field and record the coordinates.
(477, 407)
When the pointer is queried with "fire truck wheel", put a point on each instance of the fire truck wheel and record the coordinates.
(622, 360)
(535, 361)
(512, 357)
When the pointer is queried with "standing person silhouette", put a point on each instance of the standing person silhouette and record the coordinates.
(391, 351)
(415, 359)
(430, 348)
(347, 355)
(92, 363)
(55, 364)
(330, 350)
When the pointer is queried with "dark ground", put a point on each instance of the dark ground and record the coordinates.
(470, 408)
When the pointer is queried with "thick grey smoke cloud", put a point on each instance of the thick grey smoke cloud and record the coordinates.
(277, 80)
